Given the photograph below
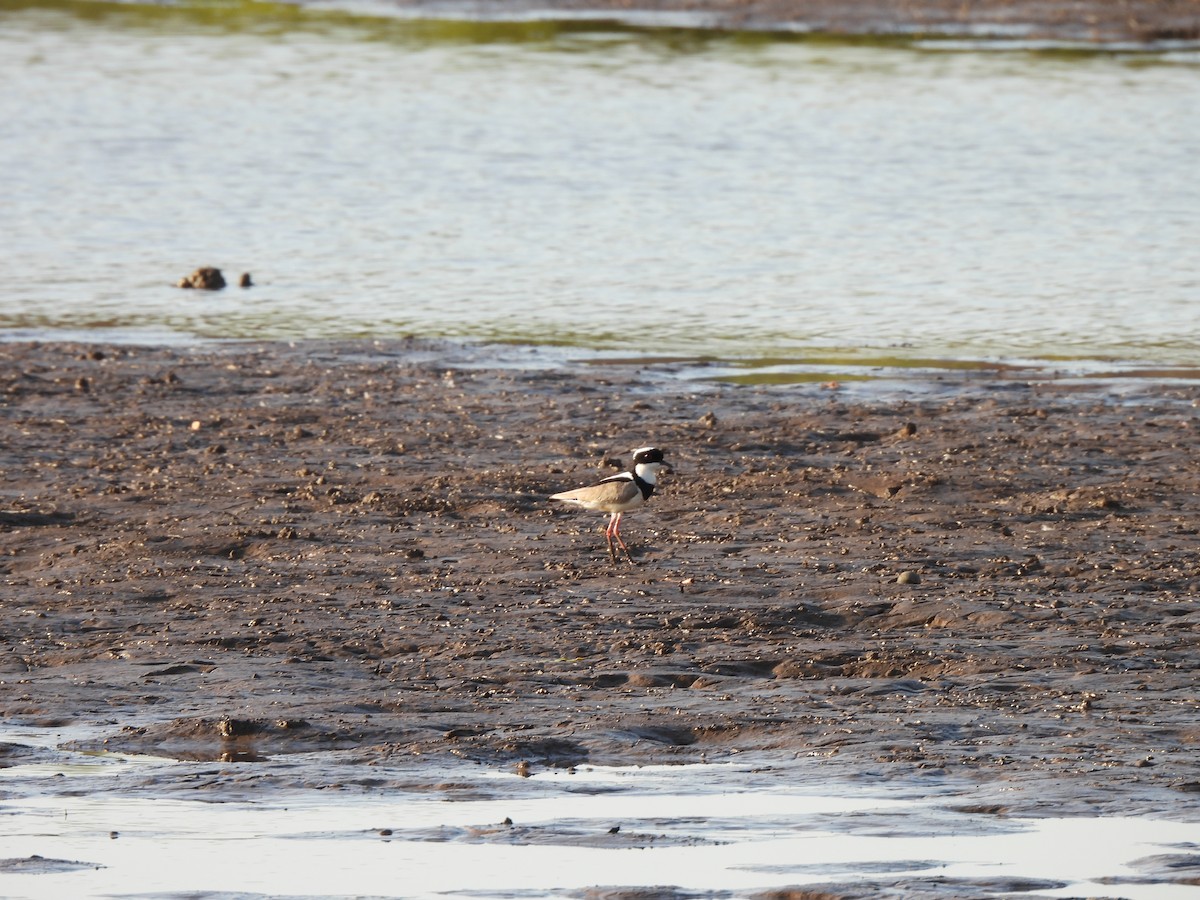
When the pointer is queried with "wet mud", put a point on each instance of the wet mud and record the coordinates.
(1085, 21)
(243, 552)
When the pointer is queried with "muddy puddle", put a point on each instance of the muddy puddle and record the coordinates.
(69, 828)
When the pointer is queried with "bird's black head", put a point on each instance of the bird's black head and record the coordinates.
(647, 455)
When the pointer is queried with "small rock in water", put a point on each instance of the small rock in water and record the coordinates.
(245, 281)
(232, 728)
(205, 278)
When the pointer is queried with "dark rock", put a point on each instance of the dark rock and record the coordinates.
(205, 278)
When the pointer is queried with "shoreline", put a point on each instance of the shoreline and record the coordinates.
(872, 372)
(1137, 25)
(257, 550)
(1088, 22)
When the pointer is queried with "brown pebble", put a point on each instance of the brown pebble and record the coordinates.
(523, 769)
(908, 577)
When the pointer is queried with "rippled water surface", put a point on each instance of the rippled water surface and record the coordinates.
(642, 191)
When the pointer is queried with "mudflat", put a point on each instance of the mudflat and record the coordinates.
(234, 552)
(1086, 21)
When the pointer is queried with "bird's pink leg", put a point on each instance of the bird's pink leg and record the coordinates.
(608, 536)
(616, 530)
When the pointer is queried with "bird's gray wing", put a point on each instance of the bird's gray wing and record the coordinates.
(615, 491)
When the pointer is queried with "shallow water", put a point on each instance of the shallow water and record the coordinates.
(635, 191)
(69, 828)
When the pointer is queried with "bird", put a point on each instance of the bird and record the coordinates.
(619, 494)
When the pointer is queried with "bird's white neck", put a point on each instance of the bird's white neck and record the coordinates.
(648, 472)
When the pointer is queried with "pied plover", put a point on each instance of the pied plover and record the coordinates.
(619, 494)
